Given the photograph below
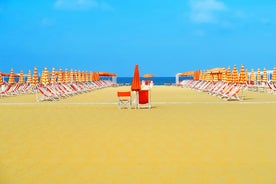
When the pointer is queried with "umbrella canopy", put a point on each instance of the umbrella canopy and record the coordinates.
(11, 78)
(265, 75)
(29, 78)
(274, 75)
(21, 77)
(259, 79)
(86, 76)
(1, 79)
(148, 75)
(35, 76)
(136, 84)
(242, 78)
(252, 75)
(235, 75)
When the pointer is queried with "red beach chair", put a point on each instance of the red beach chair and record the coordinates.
(144, 99)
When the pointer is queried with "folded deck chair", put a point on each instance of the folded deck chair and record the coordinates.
(124, 99)
(144, 99)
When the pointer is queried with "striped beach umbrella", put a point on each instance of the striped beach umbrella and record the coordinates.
(11, 77)
(228, 75)
(82, 76)
(252, 76)
(1, 79)
(91, 76)
(45, 79)
(71, 76)
(35, 76)
(60, 77)
(54, 76)
(86, 76)
(66, 76)
(242, 79)
(274, 75)
(29, 77)
(259, 79)
(21, 77)
(224, 77)
(246, 75)
(265, 75)
(235, 75)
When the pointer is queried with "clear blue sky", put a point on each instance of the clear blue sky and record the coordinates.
(164, 37)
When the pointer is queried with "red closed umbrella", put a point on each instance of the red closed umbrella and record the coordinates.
(136, 84)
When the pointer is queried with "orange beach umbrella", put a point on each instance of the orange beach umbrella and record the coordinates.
(274, 75)
(259, 79)
(35, 76)
(136, 84)
(235, 75)
(29, 78)
(148, 75)
(252, 75)
(21, 77)
(11, 78)
(228, 75)
(1, 79)
(265, 75)
(54, 76)
(242, 75)
(60, 80)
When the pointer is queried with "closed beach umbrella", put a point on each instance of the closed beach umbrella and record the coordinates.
(60, 80)
(29, 77)
(35, 76)
(224, 77)
(265, 75)
(274, 75)
(71, 76)
(54, 76)
(86, 76)
(66, 76)
(235, 75)
(11, 77)
(47, 76)
(228, 75)
(21, 77)
(242, 75)
(259, 79)
(1, 79)
(136, 84)
(91, 76)
(252, 75)
(246, 75)
(82, 76)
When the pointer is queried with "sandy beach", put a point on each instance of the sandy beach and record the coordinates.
(187, 137)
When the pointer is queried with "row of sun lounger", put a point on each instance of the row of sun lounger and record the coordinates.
(226, 91)
(16, 89)
(54, 92)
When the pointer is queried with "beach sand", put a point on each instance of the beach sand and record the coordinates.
(187, 137)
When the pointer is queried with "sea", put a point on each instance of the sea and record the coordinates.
(128, 80)
(156, 80)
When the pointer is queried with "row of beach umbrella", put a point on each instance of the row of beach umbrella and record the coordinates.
(235, 76)
(53, 77)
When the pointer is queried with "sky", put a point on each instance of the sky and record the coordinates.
(163, 37)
